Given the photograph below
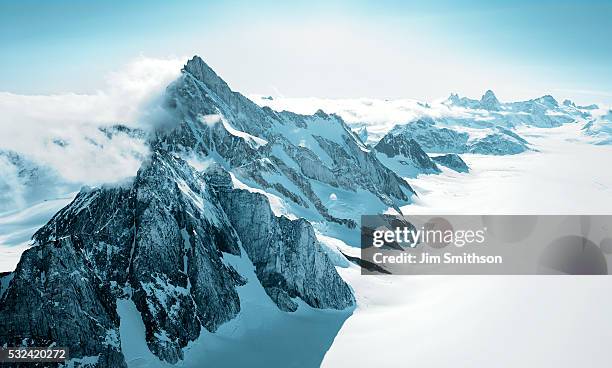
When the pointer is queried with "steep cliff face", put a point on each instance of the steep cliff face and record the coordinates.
(288, 260)
(405, 156)
(453, 161)
(55, 297)
(160, 240)
(430, 137)
(283, 153)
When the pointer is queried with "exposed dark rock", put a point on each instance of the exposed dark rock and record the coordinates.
(453, 161)
(55, 297)
(159, 239)
(370, 266)
(407, 152)
(212, 120)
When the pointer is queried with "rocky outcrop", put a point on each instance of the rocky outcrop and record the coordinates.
(160, 240)
(288, 259)
(490, 102)
(54, 297)
(453, 161)
(406, 153)
(430, 137)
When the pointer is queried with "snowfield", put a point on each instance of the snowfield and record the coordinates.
(485, 321)
(566, 175)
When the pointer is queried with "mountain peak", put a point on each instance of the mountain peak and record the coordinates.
(548, 101)
(454, 97)
(489, 101)
(488, 94)
(569, 103)
(204, 73)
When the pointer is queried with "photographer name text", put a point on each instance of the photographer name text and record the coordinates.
(428, 258)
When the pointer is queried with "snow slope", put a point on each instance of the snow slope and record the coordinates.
(261, 334)
(484, 321)
(17, 228)
(567, 175)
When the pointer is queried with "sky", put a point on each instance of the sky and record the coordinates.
(334, 49)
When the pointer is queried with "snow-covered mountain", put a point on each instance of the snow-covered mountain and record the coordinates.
(436, 138)
(600, 128)
(501, 142)
(160, 240)
(474, 116)
(431, 137)
(405, 156)
(488, 101)
(225, 182)
(542, 112)
(299, 158)
(453, 161)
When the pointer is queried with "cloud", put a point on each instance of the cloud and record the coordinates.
(61, 131)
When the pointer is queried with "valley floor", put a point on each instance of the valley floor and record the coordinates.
(566, 175)
(485, 321)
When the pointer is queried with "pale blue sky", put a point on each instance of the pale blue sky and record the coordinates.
(385, 49)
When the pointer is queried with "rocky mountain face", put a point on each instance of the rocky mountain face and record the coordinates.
(161, 238)
(280, 152)
(53, 298)
(405, 156)
(287, 257)
(453, 161)
(489, 101)
(499, 143)
(432, 138)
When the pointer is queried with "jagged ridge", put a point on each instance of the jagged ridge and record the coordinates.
(160, 239)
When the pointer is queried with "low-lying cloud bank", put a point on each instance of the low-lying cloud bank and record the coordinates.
(57, 138)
